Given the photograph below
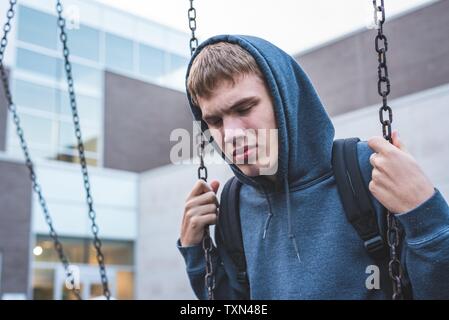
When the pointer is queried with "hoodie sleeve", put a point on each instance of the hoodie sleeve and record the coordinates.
(196, 271)
(426, 247)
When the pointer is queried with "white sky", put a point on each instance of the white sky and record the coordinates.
(292, 25)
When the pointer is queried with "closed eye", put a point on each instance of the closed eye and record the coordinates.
(213, 122)
(244, 111)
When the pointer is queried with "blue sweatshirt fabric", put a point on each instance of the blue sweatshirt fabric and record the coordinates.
(298, 243)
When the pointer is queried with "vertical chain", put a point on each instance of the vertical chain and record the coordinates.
(209, 278)
(383, 88)
(28, 162)
(81, 150)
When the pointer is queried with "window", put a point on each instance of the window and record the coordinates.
(73, 248)
(33, 96)
(125, 285)
(37, 27)
(119, 53)
(84, 42)
(67, 139)
(38, 63)
(37, 130)
(178, 62)
(88, 108)
(80, 250)
(115, 252)
(151, 61)
(43, 282)
(86, 76)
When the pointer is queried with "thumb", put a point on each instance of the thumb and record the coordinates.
(397, 142)
(215, 184)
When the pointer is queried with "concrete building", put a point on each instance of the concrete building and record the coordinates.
(129, 75)
(129, 81)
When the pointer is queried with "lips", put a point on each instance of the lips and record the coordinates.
(243, 153)
(240, 151)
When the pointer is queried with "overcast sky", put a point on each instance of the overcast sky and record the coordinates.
(293, 25)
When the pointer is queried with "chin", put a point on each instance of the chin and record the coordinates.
(249, 170)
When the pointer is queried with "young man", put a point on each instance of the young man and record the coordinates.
(297, 240)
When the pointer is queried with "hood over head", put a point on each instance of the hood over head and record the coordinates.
(305, 130)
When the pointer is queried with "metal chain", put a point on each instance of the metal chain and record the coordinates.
(28, 162)
(383, 88)
(209, 278)
(81, 150)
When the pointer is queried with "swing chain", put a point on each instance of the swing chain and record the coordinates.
(81, 150)
(192, 25)
(383, 87)
(28, 162)
(209, 278)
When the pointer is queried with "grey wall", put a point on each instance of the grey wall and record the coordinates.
(15, 224)
(139, 118)
(345, 72)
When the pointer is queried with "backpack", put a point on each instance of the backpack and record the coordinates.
(353, 193)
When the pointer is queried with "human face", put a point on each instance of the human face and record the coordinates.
(242, 122)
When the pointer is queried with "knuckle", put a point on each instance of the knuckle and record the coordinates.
(372, 186)
(190, 214)
(375, 176)
(194, 223)
(213, 207)
(188, 205)
(211, 196)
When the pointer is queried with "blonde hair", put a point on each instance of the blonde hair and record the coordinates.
(218, 62)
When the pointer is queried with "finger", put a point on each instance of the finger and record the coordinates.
(397, 141)
(200, 187)
(202, 210)
(205, 198)
(372, 159)
(215, 184)
(379, 144)
(208, 219)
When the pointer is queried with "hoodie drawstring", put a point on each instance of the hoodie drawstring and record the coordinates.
(270, 215)
(291, 234)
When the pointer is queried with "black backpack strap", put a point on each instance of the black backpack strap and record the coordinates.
(355, 196)
(229, 231)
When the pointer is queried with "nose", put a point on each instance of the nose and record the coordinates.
(234, 131)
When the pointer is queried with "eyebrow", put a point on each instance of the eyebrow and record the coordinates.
(237, 104)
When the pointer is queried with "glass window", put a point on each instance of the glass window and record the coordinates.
(43, 153)
(151, 61)
(88, 108)
(95, 290)
(38, 63)
(68, 294)
(178, 62)
(37, 27)
(115, 252)
(125, 285)
(43, 282)
(84, 42)
(37, 130)
(86, 76)
(67, 139)
(80, 250)
(72, 156)
(33, 96)
(73, 248)
(119, 53)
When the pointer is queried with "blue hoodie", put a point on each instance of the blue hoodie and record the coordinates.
(298, 243)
